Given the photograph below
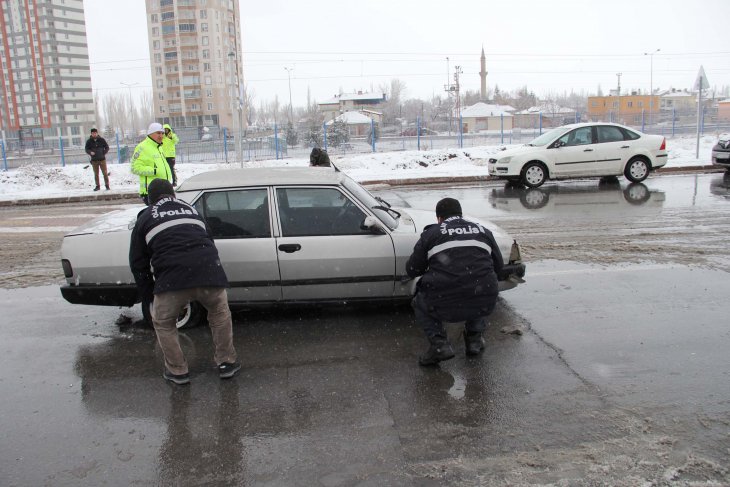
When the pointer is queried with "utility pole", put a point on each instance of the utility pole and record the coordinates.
(453, 89)
(618, 93)
(291, 109)
(651, 82)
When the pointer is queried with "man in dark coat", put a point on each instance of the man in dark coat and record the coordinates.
(97, 148)
(171, 238)
(459, 261)
(319, 158)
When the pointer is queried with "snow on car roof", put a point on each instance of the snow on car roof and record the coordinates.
(259, 176)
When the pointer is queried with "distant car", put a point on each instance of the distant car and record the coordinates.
(284, 235)
(721, 152)
(582, 150)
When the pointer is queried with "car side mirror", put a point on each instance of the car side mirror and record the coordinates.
(371, 224)
(558, 144)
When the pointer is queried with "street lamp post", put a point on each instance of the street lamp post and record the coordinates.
(131, 104)
(651, 83)
(291, 109)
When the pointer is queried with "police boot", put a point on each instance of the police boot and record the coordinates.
(439, 350)
(474, 342)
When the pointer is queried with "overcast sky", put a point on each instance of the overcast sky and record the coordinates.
(333, 45)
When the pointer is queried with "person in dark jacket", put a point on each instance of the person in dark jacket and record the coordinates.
(319, 158)
(171, 238)
(459, 261)
(97, 148)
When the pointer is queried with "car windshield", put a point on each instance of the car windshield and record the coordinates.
(549, 136)
(368, 199)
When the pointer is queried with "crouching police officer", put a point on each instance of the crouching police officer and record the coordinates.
(459, 261)
(171, 238)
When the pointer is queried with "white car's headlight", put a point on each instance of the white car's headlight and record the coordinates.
(504, 160)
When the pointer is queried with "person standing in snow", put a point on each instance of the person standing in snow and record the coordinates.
(97, 148)
(459, 261)
(173, 257)
(169, 141)
(148, 161)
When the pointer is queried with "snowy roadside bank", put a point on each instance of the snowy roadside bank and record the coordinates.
(75, 183)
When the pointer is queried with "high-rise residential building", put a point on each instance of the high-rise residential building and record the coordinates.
(195, 54)
(45, 89)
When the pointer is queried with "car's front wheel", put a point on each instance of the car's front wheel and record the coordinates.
(534, 174)
(637, 170)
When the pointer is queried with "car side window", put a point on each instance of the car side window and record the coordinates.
(579, 136)
(318, 212)
(607, 133)
(236, 214)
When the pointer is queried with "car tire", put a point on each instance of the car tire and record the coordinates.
(534, 174)
(192, 315)
(637, 170)
(534, 198)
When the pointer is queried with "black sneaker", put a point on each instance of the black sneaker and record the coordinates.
(436, 353)
(227, 370)
(96, 189)
(179, 379)
(107, 187)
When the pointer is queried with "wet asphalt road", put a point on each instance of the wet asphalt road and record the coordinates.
(620, 377)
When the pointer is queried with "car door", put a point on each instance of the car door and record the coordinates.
(323, 252)
(613, 150)
(574, 153)
(240, 223)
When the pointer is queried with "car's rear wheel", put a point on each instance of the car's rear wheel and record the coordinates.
(192, 315)
(637, 193)
(534, 174)
(637, 170)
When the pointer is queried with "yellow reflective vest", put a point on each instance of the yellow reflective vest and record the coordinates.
(169, 142)
(148, 162)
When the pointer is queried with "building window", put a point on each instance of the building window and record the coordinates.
(206, 53)
(641, 104)
(167, 16)
(208, 80)
(630, 104)
(204, 27)
(171, 55)
(206, 66)
(209, 93)
(158, 71)
(160, 83)
(168, 29)
(155, 31)
(165, 3)
(158, 58)
(204, 40)
(210, 106)
(156, 45)
(187, 27)
(203, 14)
(154, 18)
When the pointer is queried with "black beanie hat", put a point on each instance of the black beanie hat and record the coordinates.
(448, 207)
(158, 189)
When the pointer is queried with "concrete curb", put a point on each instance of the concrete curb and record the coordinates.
(390, 182)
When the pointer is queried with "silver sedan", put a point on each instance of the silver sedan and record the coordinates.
(284, 235)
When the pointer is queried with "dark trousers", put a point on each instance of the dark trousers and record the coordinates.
(100, 165)
(171, 163)
(432, 320)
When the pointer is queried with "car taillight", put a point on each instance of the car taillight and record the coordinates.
(664, 144)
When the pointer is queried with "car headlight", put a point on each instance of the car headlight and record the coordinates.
(505, 160)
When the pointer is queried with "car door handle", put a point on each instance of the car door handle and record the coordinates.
(290, 248)
(587, 150)
(625, 146)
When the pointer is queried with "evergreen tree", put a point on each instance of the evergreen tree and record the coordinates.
(292, 136)
(337, 133)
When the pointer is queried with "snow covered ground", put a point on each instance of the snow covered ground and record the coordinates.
(36, 181)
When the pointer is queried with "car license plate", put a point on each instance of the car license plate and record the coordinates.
(723, 155)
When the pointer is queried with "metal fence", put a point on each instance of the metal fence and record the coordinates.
(221, 147)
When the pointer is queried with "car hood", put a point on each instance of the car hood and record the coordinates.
(516, 151)
(421, 218)
(115, 221)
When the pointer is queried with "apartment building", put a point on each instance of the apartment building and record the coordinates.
(197, 69)
(45, 89)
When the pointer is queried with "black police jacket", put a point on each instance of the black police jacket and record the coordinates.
(459, 261)
(171, 238)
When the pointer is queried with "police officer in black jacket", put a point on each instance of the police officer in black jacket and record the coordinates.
(459, 261)
(171, 238)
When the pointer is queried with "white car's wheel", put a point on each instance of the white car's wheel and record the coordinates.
(534, 174)
(192, 315)
(534, 199)
(637, 170)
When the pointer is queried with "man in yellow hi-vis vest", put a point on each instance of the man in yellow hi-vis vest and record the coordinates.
(169, 141)
(148, 161)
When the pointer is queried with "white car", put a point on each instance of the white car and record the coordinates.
(284, 235)
(582, 150)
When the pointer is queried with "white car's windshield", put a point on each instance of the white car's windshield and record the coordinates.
(549, 136)
(376, 206)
